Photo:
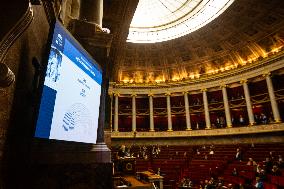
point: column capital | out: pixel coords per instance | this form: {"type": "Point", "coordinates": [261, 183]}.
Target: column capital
{"type": "Point", "coordinates": [185, 92]}
{"type": "Point", "coordinates": [266, 74]}
{"type": "Point", "coordinates": [151, 94]}
{"type": "Point", "coordinates": [168, 94]}
{"type": "Point", "coordinates": [116, 94]}
{"type": "Point", "coordinates": [204, 90]}
{"type": "Point", "coordinates": [133, 95]}
{"type": "Point", "coordinates": [243, 81]}
{"type": "Point", "coordinates": [223, 86]}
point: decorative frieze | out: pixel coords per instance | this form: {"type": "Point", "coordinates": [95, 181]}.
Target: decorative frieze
{"type": "Point", "coordinates": [232, 76]}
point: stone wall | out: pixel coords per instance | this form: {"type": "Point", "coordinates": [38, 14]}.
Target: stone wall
{"type": "Point", "coordinates": [28, 41]}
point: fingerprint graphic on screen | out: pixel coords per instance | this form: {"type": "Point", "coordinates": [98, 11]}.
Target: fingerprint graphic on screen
{"type": "Point", "coordinates": [77, 117]}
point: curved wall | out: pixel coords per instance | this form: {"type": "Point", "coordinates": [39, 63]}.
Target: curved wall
{"type": "Point", "coordinates": [256, 71]}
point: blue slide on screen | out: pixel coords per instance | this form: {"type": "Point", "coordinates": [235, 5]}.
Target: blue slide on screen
{"type": "Point", "coordinates": [69, 107]}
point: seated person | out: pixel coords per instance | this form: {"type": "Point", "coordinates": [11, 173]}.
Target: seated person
{"type": "Point", "coordinates": [267, 165]}
{"type": "Point", "coordinates": [186, 182]}
{"type": "Point", "coordinates": [251, 162]}
{"type": "Point", "coordinates": [275, 171]}
{"type": "Point", "coordinates": [258, 183]}
{"type": "Point", "coordinates": [262, 175]}
{"type": "Point", "coordinates": [235, 172]}
{"type": "Point", "coordinates": [122, 151]}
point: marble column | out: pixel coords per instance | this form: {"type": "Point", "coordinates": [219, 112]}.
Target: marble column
{"type": "Point", "coordinates": [273, 101]}
{"type": "Point", "coordinates": [248, 102]}
{"type": "Point", "coordinates": [115, 112]}
{"type": "Point", "coordinates": [206, 109]}
{"type": "Point", "coordinates": [187, 115]}
{"type": "Point", "coordinates": [170, 128]}
{"type": "Point", "coordinates": [151, 109]}
{"type": "Point", "coordinates": [92, 11]}
{"type": "Point", "coordinates": [133, 112]}
{"type": "Point", "coordinates": [226, 106]}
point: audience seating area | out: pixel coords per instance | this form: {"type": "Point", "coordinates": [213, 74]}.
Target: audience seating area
{"type": "Point", "coordinates": [195, 162]}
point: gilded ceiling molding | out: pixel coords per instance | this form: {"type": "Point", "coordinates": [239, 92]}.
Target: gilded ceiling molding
{"type": "Point", "coordinates": [233, 76]}
{"type": "Point", "coordinates": [17, 30]}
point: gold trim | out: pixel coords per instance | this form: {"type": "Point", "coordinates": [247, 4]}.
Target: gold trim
{"type": "Point", "coordinates": [116, 94]}
{"type": "Point", "coordinates": [278, 121]}
{"type": "Point", "coordinates": [243, 81]}
{"type": "Point", "coordinates": [203, 132]}
{"type": "Point", "coordinates": [257, 67]}
{"type": "Point", "coordinates": [266, 74]}
{"type": "Point", "coordinates": [251, 124]}
{"type": "Point", "coordinates": [223, 86]}
{"type": "Point", "coordinates": [129, 166]}
{"type": "Point", "coordinates": [167, 94]}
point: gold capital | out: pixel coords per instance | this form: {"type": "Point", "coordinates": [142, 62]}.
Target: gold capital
{"type": "Point", "coordinates": [116, 94]}
{"type": "Point", "coordinates": [243, 81]}
{"type": "Point", "coordinates": [266, 74]}
{"type": "Point", "coordinates": [223, 86]}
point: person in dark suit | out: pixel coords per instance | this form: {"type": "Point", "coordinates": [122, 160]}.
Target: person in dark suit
{"type": "Point", "coordinates": [239, 155]}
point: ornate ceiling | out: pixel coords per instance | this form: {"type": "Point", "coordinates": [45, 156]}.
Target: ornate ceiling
{"type": "Point", "coordinates": [246, 32]}
{"type": "Point", "coordinates": [157, 21]}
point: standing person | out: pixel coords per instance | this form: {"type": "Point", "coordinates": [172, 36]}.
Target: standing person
{"type": "Point", "coordinates": [239, 155]}
{"type": "Point", "coordinates": [242, 120]}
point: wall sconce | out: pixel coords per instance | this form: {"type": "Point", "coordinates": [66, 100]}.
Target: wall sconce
{"type": "Point", "coordinates": [7, 77]}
